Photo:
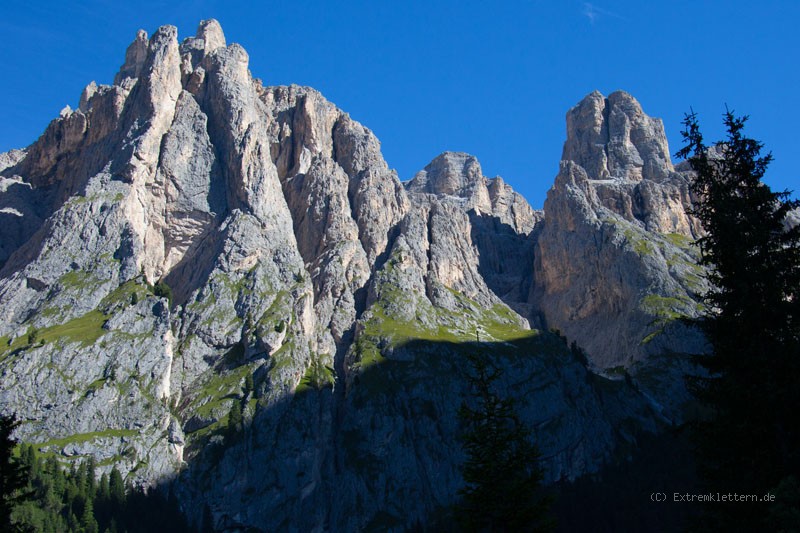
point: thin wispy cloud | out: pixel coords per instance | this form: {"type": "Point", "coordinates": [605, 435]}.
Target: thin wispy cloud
{"type": "Point", "coordinates": [594, 13]}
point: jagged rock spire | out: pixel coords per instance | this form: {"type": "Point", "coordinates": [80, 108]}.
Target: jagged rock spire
{"type": "Point", "coordinates": [613, 138]}
{"type": "Point", "coordinates": [211, 33]}
{"type": "Point", "coordinates": [134, 58]}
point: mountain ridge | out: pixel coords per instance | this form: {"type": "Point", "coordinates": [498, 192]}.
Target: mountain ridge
{"type": "Point", "coordinates": [188, 227]}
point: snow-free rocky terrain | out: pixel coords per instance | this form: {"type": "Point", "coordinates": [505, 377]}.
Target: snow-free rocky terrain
{"type": "Point", "coordinates": [188, 238]}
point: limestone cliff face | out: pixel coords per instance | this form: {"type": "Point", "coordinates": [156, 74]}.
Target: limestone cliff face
{"type": "Point", "coordinates": [615, 263]}
{"type": "Point", "coordinates": [481, 232]}
{"type": "Point", "coordinates": [165, 177]}
{"type": "Point", "coordinates": [188, 241]}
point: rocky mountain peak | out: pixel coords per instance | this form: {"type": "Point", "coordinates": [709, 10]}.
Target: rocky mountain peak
{"type": "Point", "coordinates": [134, 58]}
{"type": "Point", "coordinates": [457, 177]}
{"type": "Point", "coordinates": [617, 181]}
{"type": "Point", "coordinates": [612, 138]}
{"type": "Point", "coordinates": [450, 173]}
{"type": "Point", "coordinates": [189, 241]}
{"type": "Point", "coordinates": [193, 50]}
{"type": "Point", "coordinates": [211, 33]}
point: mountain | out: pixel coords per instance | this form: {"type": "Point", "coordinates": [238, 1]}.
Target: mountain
{"type": "Point", "coordinates": [189, 243]}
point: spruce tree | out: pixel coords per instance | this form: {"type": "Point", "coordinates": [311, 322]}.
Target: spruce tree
{"type": "Point", "coordinates": [235, 419]}
{"type": "Point", "coordinates": [88, 521]}
{"type": "Point", "coordinates": [502, 474]}
{"type": "Point", "coordinates": [116, 488]}
{"type": "Point", "coordinates": [750, 440]}
{"type": "Point", "coordinates": [12, 472]}
{"type": "Point", "coordinates": [89, 467]}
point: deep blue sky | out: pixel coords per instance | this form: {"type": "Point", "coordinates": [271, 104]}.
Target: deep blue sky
{"type": "Point", "coordinates": [492, 79]}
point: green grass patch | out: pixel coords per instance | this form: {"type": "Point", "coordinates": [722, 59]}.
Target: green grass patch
{"type": "Point", "coordinates": [277, 313]}
{"type": "Point", "coordinates": [383, 324]}
{"type": "Point", "coordinates": [496, 324]}
{"type": "Point", "coordinates": [315, 379]}
{"type": "Point", "coordinates": [77, 280]}
{"type": "Point", "coordinates": [85, 329]}
{"type": "Point", "coordinates": [213, 397]}
{"type": "Point", "coordinates": [665, 307]}
{"type": "Point", "coordinates": [695, 282]}
{"type": "Point", "coordinates": [124, 295]}
{"type": "Point", "coordinates": [7, 346]}
{"type": "Point", "coordinates": [284, 366]}
{"type": "Point", "coordinates": [652, 336]}
{"type": "Point", "coordinates": [367, 352]}
{"type": "Point", "coordinates": [643, 247]}
{"type": "Point", "coordinates": [87, 437]}
{"type": "Point", "coordinates": [52, 311]}
{"type": "Point", "coordinates": [282, 358]}
{"type": "Point", "coordinates": [317, 376]}
{"type": "Point", "coordinates": [387, 324]}
{"type": "Point", "coordinates": [637, 238]}
{"type": "Point", "coordinates": [77, 200]}
{"type": "Point", "coordinates": [679, 240]}
{"type": "Point", "coordinates": [217, 427]}
{"type": "Point", "coordinates": [95, 385]}
{"type": "Point", "coordinates": [505, 330]}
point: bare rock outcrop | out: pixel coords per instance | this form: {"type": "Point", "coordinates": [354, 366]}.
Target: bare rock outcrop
{"type": "Point", "coordinates": [615, 262]}
{"type": "Point", "coordinates": [188, 241]}
{"type": "Point", "coordinates": [480, 232]}
{"type": "Point", "coordinates": [149, 182]}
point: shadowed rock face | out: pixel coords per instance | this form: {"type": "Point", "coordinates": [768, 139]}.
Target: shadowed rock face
{"type": "Point", "coordinates": [334, 303]}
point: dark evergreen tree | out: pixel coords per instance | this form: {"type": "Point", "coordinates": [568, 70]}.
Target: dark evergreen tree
{"type": "Point", "coordinates": [503, 479]}
{"type": "Point", "coordinates": [88, 468]}
{"type": "Point", "coordinates": [116, 487]}
{"type": "Point", "coordinates": [65, 500]}
{"type": "Point", "coordinates": [750, 441]}
{"type": "Point", "coordinates": [162, 290]}
{"type": "Point", "coordinates": [88, 521]}
{"type": "Point", "coordinates": [28, 456]}
{"type": "Point", "coordinates": [102, 506]}
{"type": "Point", "coordinates": [12, 472]}
{"type": "Point", "coordinates": [235, 419]}
{"type": "Point", "coordinates": [103, 490]}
